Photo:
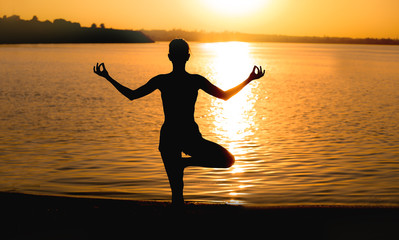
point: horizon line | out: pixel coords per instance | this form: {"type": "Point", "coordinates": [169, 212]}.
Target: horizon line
{"type": "Point", "coordinates": [217, 32]}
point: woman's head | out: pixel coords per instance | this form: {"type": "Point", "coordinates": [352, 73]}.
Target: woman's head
{"type": "Point", "coordinates": [179, 51]}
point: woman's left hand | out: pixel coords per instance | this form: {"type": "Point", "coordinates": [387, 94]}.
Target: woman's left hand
{"type": "Point", "coordinates": [103, 73]}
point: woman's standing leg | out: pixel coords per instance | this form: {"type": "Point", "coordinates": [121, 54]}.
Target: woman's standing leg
{"type": "Point", "coordinates": [174, 169]}
{"type": "Point", "coordinates": [203, 154]}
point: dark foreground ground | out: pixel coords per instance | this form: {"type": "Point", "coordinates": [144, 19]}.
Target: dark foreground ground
{"type": "Point", "coordinates": [44, 217]}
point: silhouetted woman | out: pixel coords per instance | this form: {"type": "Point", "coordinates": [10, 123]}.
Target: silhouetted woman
{"type": "Point", "coordinates": [180, 133]}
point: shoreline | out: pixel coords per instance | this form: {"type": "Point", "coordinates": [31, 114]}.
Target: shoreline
{"type": "Point", "coordinates": [53, 217]}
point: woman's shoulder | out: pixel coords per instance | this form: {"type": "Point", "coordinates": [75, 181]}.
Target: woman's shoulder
{"type": "Point", "coordinates": [199, 79]}
{"type": "Point", "coordinates": [160, 77]}
{"type": "Point", "coordinates": [197, 76]}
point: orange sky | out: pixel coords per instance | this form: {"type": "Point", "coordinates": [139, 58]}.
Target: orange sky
{"type": "Point", "coordinates": [340, 18]}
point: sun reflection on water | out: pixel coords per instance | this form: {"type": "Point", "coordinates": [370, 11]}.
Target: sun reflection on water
{"type": "Point", "coordinates": [233, 120]}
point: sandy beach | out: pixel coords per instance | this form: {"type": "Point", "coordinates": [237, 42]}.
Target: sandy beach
{"type": "Point", "coordinates": [50, 217]}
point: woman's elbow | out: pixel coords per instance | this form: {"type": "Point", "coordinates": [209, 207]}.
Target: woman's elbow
{"type": "Point", "coordinates": [131, 97]}
{"type": "Point", "coordinates": [221, 95]}
{"type": "Point", "coordinates": [225, 97]}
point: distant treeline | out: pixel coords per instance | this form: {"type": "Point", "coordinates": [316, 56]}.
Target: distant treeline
{"type": "Point", "coordinates": [162, 35]}
{"type": "Point", "coordinates": [15, 30]}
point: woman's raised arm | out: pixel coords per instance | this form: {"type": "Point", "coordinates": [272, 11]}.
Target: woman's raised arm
{"type": "Point", "coordinates": [142, 91]}
{"type": "Point", "coordinates": [211, 89]}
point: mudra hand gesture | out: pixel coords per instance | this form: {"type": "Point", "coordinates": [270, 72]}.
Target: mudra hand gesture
{"type": "Point", "coordinates": [103, 73]}
{"type": "Point", "coordinates": [256, 73]}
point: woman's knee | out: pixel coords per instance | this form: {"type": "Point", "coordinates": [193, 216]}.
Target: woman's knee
{"type": "Point", "coordinates": [229, 160]}
{"type": "Point", "coordinates": [226, 159]}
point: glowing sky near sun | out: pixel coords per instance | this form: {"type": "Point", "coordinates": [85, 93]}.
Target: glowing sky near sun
{"type": "Point", "coordinates": [341, 18]}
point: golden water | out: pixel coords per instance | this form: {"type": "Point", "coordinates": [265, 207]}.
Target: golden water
{"type": "Point", "coordinates": [320, 128]}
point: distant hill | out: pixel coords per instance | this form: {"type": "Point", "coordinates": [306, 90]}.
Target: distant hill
{"type": "Point", "coordinates": [162, 35]}
{"type": "Point", "coordinates": [15, 30]}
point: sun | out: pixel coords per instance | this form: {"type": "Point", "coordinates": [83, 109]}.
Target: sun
{"type": "Point", "coordinates": [235, 7]}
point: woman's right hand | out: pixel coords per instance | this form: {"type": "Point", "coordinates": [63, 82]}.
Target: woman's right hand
{"type": "Point", "coordinates": [256, 73]}
{"type": "Point", "coordinates": [103, 73]}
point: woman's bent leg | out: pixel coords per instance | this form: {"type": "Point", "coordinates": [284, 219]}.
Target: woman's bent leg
{"type": "Point", "coordinates": [209, 154]}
